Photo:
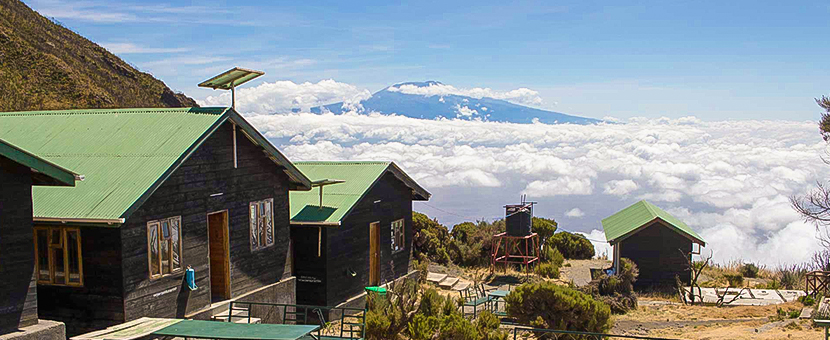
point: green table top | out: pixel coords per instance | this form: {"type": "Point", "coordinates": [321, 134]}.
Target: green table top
{"type": "Point", "coordinates": [229, 330]}
{"type": "Point", "coordinates": [498, 293]}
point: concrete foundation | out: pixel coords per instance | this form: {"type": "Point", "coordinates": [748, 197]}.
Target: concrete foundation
{"type": "Point", "coordinates": [748, 297]}
{"type": "Point", "coordinates": [43, 330]}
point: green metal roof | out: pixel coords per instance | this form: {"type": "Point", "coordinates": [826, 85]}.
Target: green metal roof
{"type": "Point", "coordinates": [629, 220]}
{"type": "Point", "coordinates": [124, 154]}
{"type": "Point", "coordinates": [44, 172]}
{"type": "Point", "coordinates": [339, 199]}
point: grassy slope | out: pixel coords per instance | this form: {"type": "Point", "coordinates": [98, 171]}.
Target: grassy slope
{"type": "Point", "coordinates": [46, 66]}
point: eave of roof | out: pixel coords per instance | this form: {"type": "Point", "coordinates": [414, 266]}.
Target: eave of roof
{"type": "Point", "coordinates": [60, 176]}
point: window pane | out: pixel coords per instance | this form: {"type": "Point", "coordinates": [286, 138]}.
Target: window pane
{"type": "Point", "coordinates": [165, 257]}
{"type": "Point", "coordinates": [42, 255]}
{"type": "Point", "coordinates": [56, 236]}
{"type": "Point", "coordinates": [175, 233]}
{"type": "Point", "coordinates": [269, 226]}
{"type": "Point", "coordinates": [74, 255]}
{"type": "Point", "coordinates": [254, 223]}
{"type": "Point", "coordinates": [165, 230]}
{"type": "Point", "coordinates": [57, 257]}
{"type": "Point", "coordinates": [153, 239]}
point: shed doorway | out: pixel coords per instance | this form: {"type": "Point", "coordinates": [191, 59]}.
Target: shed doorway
{"type": "Point", "coordinates": [374, 253]}
{"type": "Point", "coordinates": [220, 276]}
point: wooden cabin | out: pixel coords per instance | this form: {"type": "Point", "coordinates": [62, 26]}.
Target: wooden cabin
{"type": "Point", "coordinates": [165, 190]}
{"type": "Point", "coordinates": [353, 230]}
{"type": "Point", "coordinates": [19, 171]}
{"type": "Point", "coordinates": [660, 244]}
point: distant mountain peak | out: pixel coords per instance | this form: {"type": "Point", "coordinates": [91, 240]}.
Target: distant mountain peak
{"type": "Point", "coordinates": [433, 99]}
{"type": "Point", "coordinates": [418, 83]}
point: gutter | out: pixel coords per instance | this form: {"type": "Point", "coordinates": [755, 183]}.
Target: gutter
{"type": "Point", "coordinates": [79, 220]}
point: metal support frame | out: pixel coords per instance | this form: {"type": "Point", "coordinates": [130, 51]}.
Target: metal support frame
{"type": "Point", "coordinates": [513, 252]}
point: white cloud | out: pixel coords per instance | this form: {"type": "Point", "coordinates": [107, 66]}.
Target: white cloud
{"type": "Point", "coordinates": [524, 96]}
{"type": "Point", "coordinates": [727, 180]}
{"type": "Point", "coordinates": [464, 111]}
{"type": "Point", "coordinates": [574, 213]}
{"type": "Point", "coordinates": [284, 96]}
{"type": "Point", "coordinates": [601, 247]}
{"type": "Point", "coordinates": [620, 188]}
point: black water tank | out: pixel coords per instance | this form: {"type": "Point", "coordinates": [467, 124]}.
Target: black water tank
{"type": "Point", "coordinates": [518, 219]}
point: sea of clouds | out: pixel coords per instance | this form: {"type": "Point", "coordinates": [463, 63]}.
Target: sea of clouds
{"type": "Point", "coordinates": [729, 180]}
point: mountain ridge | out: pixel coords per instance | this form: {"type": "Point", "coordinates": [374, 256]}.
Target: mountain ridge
{"type": "Point", "coordinates": [45, 66]}
{"type": "Point", "coordinates": [431, 106]}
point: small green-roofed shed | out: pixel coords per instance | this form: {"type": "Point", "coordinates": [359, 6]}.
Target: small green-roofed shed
{"type": "Point", "coordinates": [343, 184]}
{"type": "Point", "coordinates": [124, 154]}
{"type": "Point", "coordinates": [631, 219]}
{"type": "Point", "coordinates": [658, 243]}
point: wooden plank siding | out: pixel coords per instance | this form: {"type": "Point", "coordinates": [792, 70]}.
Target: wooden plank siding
{"type": "Point", "coordinates": [187, 193]}
{"type": "Point", "coordinates": [99, 303]}
{"type": "Point", "coordinates": [18, 290]}
{"type": "Point", "coordinates": [348, 245]}
{"type": "Point", "coordinates": [656, 249]}
{"type": "Point", "coordinates": [309, 268]}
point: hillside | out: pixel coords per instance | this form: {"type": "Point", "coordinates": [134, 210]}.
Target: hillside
{"type": "Point", "coordinates": [46, 66]}
{"type": "Point", "coordinates": [393, 100]}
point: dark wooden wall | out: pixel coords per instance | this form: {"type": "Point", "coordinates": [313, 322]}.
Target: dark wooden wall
{"type": "Point", "coordinates": [348, 246]}
{"type": "Point", "coordinates": [187, 193]}
{"type": "Point", "coordinates": [99, 303]}
{"type": "Point", "coordinates": [655, 251]}
{"type": "Point", "coordinates": [309, 268]}
{"type": "Point", "coordinates": [18, 291]}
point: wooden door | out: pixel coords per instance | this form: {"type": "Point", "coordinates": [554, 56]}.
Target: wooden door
{"type": "Point", "coordinates": [374, 253]}
{"type": "Point", "coordinates": [220, 277]}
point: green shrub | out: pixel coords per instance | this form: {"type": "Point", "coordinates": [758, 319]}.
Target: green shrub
{"type": "Point", "coordinates": [553, 255]}
{"type": "Point", "coordinates": [487, 325]}
{"type": "Point", "coordinates": [735, 280]}
{"type": "Point", "coordinates": [573, 246]}
{"type": "Point", "coordinates": [472, 243]}
{"type": "Point", "coordinates": [749, 270]}
{"type": "Point", "coordinates": [544, 227]}
{"type": "Point", "coordinates": [455, 327]}
{"type": "Point", "coordinates": [390, 314]}
{"type": "Point", "coordinates": [422, 327]}
{"type": "Point", "coordinates": [807, 300]}
{"type": "Point", "coordinates": [461, 231]}
{"type": "Point", "coordinates": [792, 277]}
{"type": "Point", "coordinates": [430, 239]}
{"type": "Point", "coordinates": [617, 291]}
{"type": "Point", "coordinates": [548, 305]}
{"type": "Point", "coordinates": [548, 270]}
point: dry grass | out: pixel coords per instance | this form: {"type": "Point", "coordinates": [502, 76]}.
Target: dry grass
{"type": "Point", "coordinates": [691, 313]}
{"type": "Point", "coordinates": [742, 331]}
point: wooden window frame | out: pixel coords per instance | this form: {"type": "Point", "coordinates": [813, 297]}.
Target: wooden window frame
{"type": "Point", "coordinates": [50, 254]}
{"type": "Point", "coordinates": [172, 271]}
{"type": "Point", "coordinates": [254, 224]}
{"type": "Point", "coordinates": [398, 235]}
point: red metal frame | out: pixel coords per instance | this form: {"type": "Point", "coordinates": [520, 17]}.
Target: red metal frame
{"type": "Point", "coordinates": [526, 258]}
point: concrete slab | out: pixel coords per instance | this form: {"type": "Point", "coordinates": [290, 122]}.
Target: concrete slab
{"type": "Point", "coordinates": [43, 330]}
{"type": "Point", "coordinates": [806, 313]}
{"type": "Point", "coordinates": [767, 294]}
{"type": "Point", "coordinates": [462, 285]}
{"type": "Point", "coordinates": [448, 282]}
{"type": "Point", "coordinates": [791, 295]}
{"type": "Point", "coordinates": [435, 277]}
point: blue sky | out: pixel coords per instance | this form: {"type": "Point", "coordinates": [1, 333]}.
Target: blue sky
{"type": "Point", "coordinates": [714, 60]}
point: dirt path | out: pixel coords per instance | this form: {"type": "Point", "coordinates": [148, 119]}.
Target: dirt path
{"type": "Point", "coordinates": [643, 327]}
{"type": "Point", "coordinates": [579, 271]}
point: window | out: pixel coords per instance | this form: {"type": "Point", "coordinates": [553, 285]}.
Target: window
{"type": "Point", "coordinates": [262, 224]}
{"type": "Point", "coordinates": [164, 246]}
{"type": "Point", "coordinates": [58, 256]}
{"type": "Point", "coordinates": [398, 242]}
